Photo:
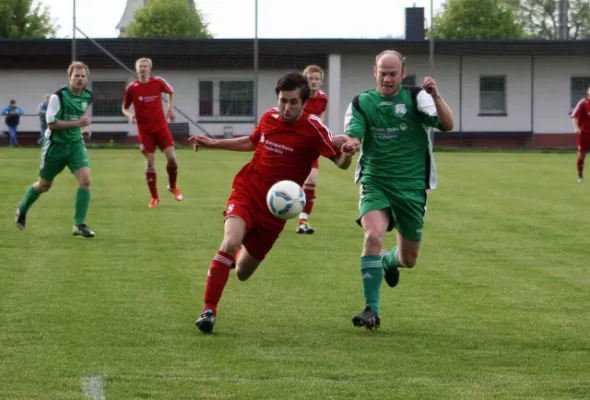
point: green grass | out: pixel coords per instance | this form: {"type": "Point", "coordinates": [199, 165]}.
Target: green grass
{"type": "Point", "coordinates": [496, 308]}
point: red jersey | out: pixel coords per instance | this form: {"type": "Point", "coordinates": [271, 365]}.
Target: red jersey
{"type": "Point", "coordinates": [317, 105]}
{"type": "Point", "coordinates": [147, 102]}
{"type": "Point", "coordinates": [284, 151]}
{"type": "Point", "coordinates": [582, 114]}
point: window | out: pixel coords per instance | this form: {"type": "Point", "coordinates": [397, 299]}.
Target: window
{"type": "Point", "coordinates": [107, 98]}
{"type": "Point", "coordinates": [492, 95]}
{"type": "Point", "coordinates": [236, 98]}
{"type": "Point", "coordinates": [579, 88]}
{"type": "Point", "coordinates": [226, 98]}
{"type": "Point", "coordinates": [410, 80]}
{"type": "Point", "coordinates": [206, 98]}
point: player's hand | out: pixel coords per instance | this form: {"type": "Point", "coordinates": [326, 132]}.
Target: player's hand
{"type": "Point", "coordinates": [84, 121]}
{"type": "Point", "coordinates": [578, 131]}
{"type": "Point", "coordinates": [170, 115]}
{"type": "Point", "coordinates": [204, 141]}
{"type": "Point", "coordinates": [429, 85]}
{"type": "Point", "coordinates": [339, 140]}
{"type": "Point", "coordinates": [133, 120]}
{"type": "Point", "coordinates": [350, 147]}
{"type": "Point", "coordinates": [86, 135]}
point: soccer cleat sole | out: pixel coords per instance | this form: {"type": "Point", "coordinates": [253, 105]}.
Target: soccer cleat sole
{"type": "Point", "coordinates": [391, 276]}
{"type": "Point", "coordinates": [80, 235]}
{"type": "Point", "coordinates": [359, 323]}
{"type": "Point", "coordinates": [205, 325]}
{"type": "Point", "coordinates": [20, 225]}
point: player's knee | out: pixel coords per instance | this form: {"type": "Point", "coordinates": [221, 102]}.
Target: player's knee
{"type": "Point", "coordinates": [373, 240]}
{"type": "Point", "coordinates": [408, 260]}
{"type": "Point", "coordinates": [230, 244]}
{"type": "Point", "coordinates": [309, 184]}
{"type": "Point", "coordinates": [84, 183]}
{"type": "Point", "coordinates": [43, 186]}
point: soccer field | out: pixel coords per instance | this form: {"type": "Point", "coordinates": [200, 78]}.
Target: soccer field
{"type": "Point", "coordinates": [497, 307]}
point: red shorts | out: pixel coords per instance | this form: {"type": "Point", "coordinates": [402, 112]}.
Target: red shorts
{"type": "Point", "coordinates": [148, 141]}
{"type": "Point", "coordinates": [316, 164]}
{"type": "Point", "coordinates": [262, 228]}
{"type": "Point", "coordinates": [584, 143]}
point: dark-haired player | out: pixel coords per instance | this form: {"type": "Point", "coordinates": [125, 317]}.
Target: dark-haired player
{"type": "Point", "coordinates": [286, 142]}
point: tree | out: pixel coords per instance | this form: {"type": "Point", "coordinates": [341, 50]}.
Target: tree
{"type": "Point", "coordinates": [477, 19]}
{"type": "Point", "coordinates": [540, 18]}
{"type": "Point", "coordinates": [25, 19]}
{"type": "Point", "coordinates": [168, 19]}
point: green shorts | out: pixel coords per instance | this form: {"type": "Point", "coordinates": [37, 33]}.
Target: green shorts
{"type": "Point", "coordinates": [56, 156]}
{"type": "Point", "coordinates": [406, 208]}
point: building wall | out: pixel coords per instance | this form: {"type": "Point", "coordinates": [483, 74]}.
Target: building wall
{"type": "Point", "coordinates": [538, 93]}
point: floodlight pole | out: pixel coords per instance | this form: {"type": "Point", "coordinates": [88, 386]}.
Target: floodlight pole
{"type": "Point", "coordinates": [256, 72]}
{"type": "Point", "coordinates": [73, 30]}
{"type": "Point", "coordinates": [431, 51]}
{"type": "Point", "coordinates": [431, 55]}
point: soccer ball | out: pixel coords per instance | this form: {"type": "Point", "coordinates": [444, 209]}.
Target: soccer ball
{"type": "Point", "coordinates": [285, 199]}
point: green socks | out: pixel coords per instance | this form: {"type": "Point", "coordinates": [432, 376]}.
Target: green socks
{"type": "Point", "coordinates": [82, 202]}
{"type": "Point", "coordinates": [390, 259]}
{"type": "Point", "coordinates": [31, 196]}
{"type": "Point", "coordinates": [372, 274]}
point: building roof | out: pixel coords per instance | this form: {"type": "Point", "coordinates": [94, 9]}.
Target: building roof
{"type": "Point", "coordinates": [273, 53]}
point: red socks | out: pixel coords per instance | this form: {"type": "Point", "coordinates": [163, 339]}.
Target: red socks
{"type": "Point", "coordinates": [172, 173]}
{"type": "Point", "coordinates": [310, 198]}
{"type": "Point", "coordinates": [580, 165]}
{"type": "Point", "coordinates": [150, 177]}
{"type": "Point", "coordinates": [217, 279]}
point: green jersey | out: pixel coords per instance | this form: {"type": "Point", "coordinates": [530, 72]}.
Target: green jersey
{"type": "Point", "coordinates": [396, 151]}
{"type": "Point", "coordinates": [66, 106]}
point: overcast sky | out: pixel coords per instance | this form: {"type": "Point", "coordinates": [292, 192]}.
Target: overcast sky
{"type": "Point", "coordinates": [235, 18]}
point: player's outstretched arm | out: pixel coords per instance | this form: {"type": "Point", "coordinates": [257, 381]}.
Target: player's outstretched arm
{"type": "Point", "coordinates": [237, 144]}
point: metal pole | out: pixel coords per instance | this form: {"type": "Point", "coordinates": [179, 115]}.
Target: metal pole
{"type": "Point", "coordinates": [431, 51]}
{"type": "Point", "coordinates": [431, 56]}
{"type": "Point", "coordinates": [73, 30]}
{"type": "Point", "coordinates": [255, 91]}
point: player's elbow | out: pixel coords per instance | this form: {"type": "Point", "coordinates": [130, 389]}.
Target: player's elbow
{"type": "Point", "coordinates": [447, 125]}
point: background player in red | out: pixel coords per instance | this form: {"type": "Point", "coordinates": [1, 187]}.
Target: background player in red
{"type": "Point", "coordinates": [581, 122]}
{"type": "Point", "coordinates": [285, 143]}
{"type": "Point", "coordinates": [315, 105]}
{"type": "Point", "coordinates": [145, 94]}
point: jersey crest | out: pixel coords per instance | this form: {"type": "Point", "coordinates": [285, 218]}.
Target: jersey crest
{"type": "Point", "coordinates": [400, 110]}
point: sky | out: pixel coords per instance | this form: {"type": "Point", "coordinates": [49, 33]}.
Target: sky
{"type": "Point", "coordinates": [235, 18]}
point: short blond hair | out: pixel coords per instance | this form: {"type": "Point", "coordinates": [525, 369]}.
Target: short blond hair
{"type": "Point", "coordinates": [313, 68]}
{"type": "Point", "coordinates": [144, 59]}
{"type": "Point", "coordinates": [77, 65]}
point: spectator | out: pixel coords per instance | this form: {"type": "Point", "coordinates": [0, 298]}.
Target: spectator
{"type": "Point", "coordinates": [42, 111]}
{"type": "Point", "coordinates": [13, 113]}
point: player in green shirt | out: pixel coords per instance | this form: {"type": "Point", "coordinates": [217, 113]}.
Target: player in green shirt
{"type": "Point", "coordinates": [64, 146]}
{"type": "Point", "coordinates": [395, 169]}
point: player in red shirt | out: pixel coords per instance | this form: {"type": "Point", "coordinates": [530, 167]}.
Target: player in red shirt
{"type": "Point", "coordinates": [286, 142]}
{"type": "Point", "coordinates": [152, 126]}
{"type": "Point", "coordinates": [315, 105]}
{"type": "Point", "coordinates": [581, 122]}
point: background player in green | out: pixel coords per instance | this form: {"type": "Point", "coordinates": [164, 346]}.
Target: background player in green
{"type": "Point", "coordinates": [64, 146]}
{"type": "Point", "coordinates": [395, 169]}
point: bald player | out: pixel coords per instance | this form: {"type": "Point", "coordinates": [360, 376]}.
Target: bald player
{"type": "Point", "coordinates": [395, 169]}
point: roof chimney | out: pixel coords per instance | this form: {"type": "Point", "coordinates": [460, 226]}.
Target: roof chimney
{"type": "Point", "coordinates": [415, 23]}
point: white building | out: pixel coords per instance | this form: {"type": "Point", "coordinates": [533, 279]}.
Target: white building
{"type": "Point", "coordinates": [509, 93]}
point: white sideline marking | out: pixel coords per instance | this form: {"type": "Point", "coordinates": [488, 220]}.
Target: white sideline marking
{"type": "Point", "coordinates": [93, 387]}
